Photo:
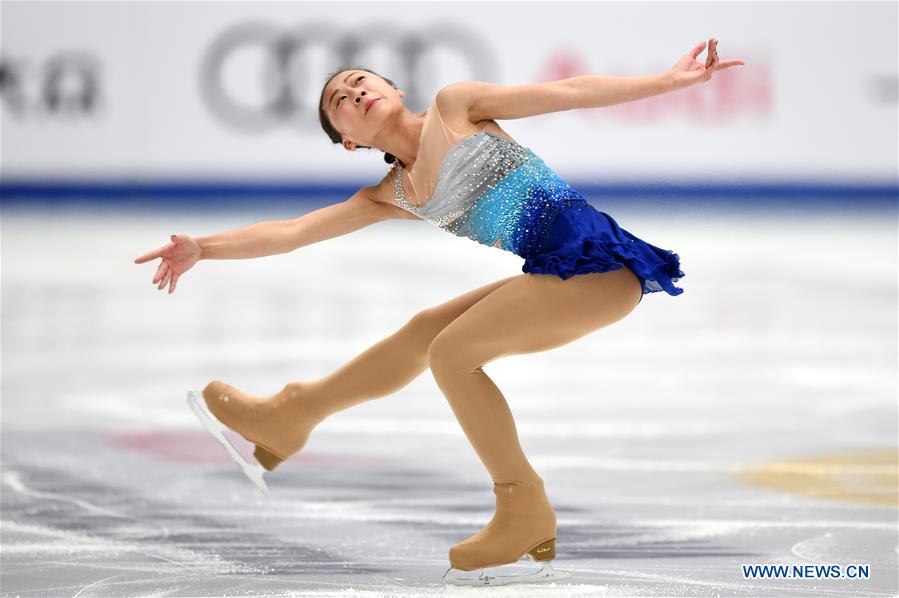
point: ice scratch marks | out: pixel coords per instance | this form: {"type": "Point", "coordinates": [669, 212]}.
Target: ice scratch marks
{"type": "Point", "coordinates": [98, 582]}
{"type": "Point", "coordinates": [13, 480]}
{"type": "Point", "coordinates": [814, 549]}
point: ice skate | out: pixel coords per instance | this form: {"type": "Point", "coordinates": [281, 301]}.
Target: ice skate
{"type": "Point", "coordinates": [524, 524]}
{"type": "Point", "coordinates": [253, 471]}
{"type": "Point", "coordinates": [278, 426]}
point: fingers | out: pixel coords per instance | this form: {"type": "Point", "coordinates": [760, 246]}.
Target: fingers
{"type": "Point", "coordinates": [728, 63]}
{"type": "Point", "coordinates": [165, 280]}
{"type": "Point", "coordinates": [697, 49]}
{"type": "Point", "coordinates": [164, 251]}
{"type": "Point", "coordinates": [164, 274]}
{"type": "Point", "coordinates": [152, 255]}
{"type": "Point", "coordinates": [159, 271]}
{"type": "Point", "coordinates": [161, 275]}
{"type": "Point", "coordinates": [712, 58]}
{"type": "Point", "coordinates": [167, 277]}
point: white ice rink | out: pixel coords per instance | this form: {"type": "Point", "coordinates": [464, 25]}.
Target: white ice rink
{"type": "Point", "coordinates": [750, 420]}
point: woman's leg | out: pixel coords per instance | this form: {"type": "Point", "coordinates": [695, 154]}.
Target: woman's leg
{"type": "Point", "coordinates": [392, 363]}
{"type": "Point", "coordinates": [532, 313]}
{"type": "Point", "coordinates": [282, 423]}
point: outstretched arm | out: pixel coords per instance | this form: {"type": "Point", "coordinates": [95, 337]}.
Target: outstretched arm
{"type": "Point", "coordinates": [487, 101]}
{"type": "Point", "coordinates": [282, 236]}
{"type": "Point", "coordinates": [268, 238]}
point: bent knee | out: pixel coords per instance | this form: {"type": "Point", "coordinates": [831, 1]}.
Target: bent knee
{"type": "Point", "coordinates": [445, 354]}
{"type": "Point", "coordinates": [439, 350]}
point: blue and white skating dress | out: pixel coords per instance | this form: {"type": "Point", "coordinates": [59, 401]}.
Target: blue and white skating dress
{"type": "Point", "coordinates": [494, 191]}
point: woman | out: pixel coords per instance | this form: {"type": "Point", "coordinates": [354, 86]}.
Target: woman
{"type": "Point", "coordinates": [457, 169]}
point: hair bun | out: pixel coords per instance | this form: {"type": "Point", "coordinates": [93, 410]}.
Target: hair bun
{"type": "Point", "coordinates": [389, 158]}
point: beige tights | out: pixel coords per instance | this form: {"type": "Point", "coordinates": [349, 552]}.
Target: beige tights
{"type": "Point", "coordinates": [526, 313]}
{"type": "Point", "coordinates": [390, 364]}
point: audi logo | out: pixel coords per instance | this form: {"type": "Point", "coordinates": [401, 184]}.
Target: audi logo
{"type": "Point", "coordinates": [256, 77]}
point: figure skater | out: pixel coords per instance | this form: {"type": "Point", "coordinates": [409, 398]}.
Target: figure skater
{"type": "Point", "coordinates": [453, 166]}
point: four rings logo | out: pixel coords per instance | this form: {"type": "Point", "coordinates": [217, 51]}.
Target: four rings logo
{"type": "Point", "coordinates": [256, 77]}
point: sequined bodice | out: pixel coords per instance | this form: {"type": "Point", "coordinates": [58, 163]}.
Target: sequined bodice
{"type": "Point", "coordinates": [494, 191]}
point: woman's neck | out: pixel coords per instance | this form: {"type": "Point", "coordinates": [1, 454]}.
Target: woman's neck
{"type": "Point", "coordinates": [404, 146]}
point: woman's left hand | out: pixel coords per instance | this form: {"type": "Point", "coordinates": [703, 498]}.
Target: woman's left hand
{"type": "Point", "coordinates": [688, 70]}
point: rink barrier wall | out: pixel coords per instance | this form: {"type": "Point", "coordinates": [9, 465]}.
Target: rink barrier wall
{"type": "Point", "coordinates": [213, 193]}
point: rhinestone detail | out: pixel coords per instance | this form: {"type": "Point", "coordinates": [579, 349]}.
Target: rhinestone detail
{"type": "Point", "coordinates": [495, 192]}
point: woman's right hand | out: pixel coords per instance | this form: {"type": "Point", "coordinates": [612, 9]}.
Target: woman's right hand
{"type": "Point", "coordinates": [688, 70]}
{"type": "Point", "coordinates": [177, 258]}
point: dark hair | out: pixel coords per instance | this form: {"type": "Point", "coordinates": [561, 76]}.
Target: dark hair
{"type": "Point", "coordinates": [333, 133]}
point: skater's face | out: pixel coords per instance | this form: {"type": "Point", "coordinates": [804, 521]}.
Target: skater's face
{"type": "Point", "coordinates": [358, 104]}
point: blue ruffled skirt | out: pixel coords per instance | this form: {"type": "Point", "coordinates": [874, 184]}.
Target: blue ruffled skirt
{"type": "Point", "coordinates": [584, 240]}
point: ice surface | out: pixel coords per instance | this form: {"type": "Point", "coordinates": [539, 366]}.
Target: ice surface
{"type": "Point", "coordinates": [676, 444]}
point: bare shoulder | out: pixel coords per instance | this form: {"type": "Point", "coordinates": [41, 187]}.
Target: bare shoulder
{"type": "Point", "coordinates": [383, 193]}
{"type": "Point", "coordinates": [455, 102]}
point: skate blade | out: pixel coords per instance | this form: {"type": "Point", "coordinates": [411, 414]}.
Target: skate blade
{"type": "Point", "coordinates": [253, 471]}
{"type": "Point", "coordinates": [489, 578]}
